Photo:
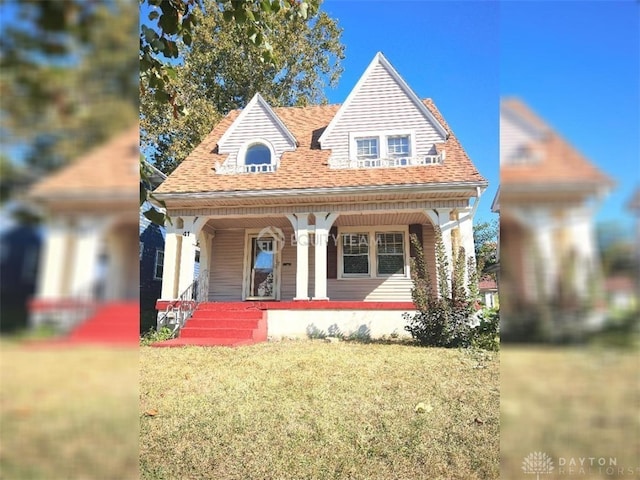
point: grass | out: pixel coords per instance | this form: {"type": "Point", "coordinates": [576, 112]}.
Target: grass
{"type": "Point", "coordinates": [570, 403]}
{"type": "Point", "coordinates": [68, 412]}
{"type": "Point", "coordinates": [310, 409]}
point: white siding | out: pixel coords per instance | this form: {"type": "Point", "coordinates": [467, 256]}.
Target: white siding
{"type": "Point", "coordinates": [381, 104]}
{"type": "Point", "coordinates": [227, 258]}
{"type": "Point", "coordinates": [514, 135]}
{"type": "Point", "coordinates": [258, 123]}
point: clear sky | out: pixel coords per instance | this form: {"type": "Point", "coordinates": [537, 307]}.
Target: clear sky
{"type": "Point", "coordinates": [447, 51]}
{"type": "Point", "coordinates": [575, 63]}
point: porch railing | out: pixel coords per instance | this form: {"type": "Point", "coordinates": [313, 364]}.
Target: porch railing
{"type": "Point", "coordinates": [179, 311]}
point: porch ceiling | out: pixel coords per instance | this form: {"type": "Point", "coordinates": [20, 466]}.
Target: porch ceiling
{"type": "Point", "coordinates": [248, 222]}
{"type": "Point", "coordinates": [389, 218]}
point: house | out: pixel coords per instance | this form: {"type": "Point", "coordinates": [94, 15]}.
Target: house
{"type": "Point", "coordinates": [311, 208]}
{"type": "Point", "coordinates": [546, 200]}
{"type": "Point", "coordinates": [90, 253]}
{"type": "Point", "coordinates": [488, 289]}
{"type": "Point", "coordinates": [20, 243]}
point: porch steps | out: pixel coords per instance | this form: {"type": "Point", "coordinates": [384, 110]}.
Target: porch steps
{"type": "Point", "coordinates": [222, 324]}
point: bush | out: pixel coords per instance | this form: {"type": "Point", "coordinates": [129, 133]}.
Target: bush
{"type": "Point", "coordinates": [486, 334]}
{"type": "Point", "coordinates": [443, 318]}
{"type": "Point", "coordinates": [153, 336]}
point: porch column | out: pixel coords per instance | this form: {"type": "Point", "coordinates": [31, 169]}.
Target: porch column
{"type": "Point", "coordinates": [300, 223]}
{"type": "Point", "coordinates": [441, 217]}
{"type": "Point", "coordinates": [86, 252]}
{"type": "Point", "coordinates": [52, 260]}
{"type": "Point", "coordinates": [466, 239]}
{"type": "Point", "coordinates": [187, 261]}
{"type": "Point", "coordinates": [170, 271]}
{"type": "Point", "coordinates": [324, 221]}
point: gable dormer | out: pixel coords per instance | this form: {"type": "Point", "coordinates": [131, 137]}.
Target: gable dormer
{"type": "Point", "coordinates": [383, 123]}
{"type": "Point", "coordinates": [520, 131]}
{"type": "Point", "coordinates": [255, 141]}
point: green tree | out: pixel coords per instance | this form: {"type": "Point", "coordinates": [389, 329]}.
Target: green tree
{"type": "Point", "coordinates": [485, 237]}
{"type": "Point", "coordinates": [69, 77]}
{"type": "Point", "coordinates": [224, 65]}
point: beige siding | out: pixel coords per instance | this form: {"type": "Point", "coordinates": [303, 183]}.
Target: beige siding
{"type": "Point", "coordinates": [381, 104]}
{"type": "Point", "coordinates": [227, 258]}
{"type": "Point", "coordinates": [428, 241]}
{"type": "Point", "coordinates": [258, 123]}
{"type": "Point", "coordinates": [370, 289]}
{"type": "Point", "coordinates": [288, 277]}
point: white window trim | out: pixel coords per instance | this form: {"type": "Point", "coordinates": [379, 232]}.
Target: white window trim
{"type": "Point", "coordinates": [373, 252]}
{"type": "Point", "coordinates": [242, 153]}
{"type": "Point", "coordinates": [155, 264]}
{"type": "Point", "coordinates": [381, 135]}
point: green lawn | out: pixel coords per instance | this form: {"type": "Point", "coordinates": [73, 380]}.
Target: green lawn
{"type": "Point", "coordinates": [311, 409]}
{"type": "Point", "coordinates": [570, 403]}
{"type": "Point", "coordinates": [68, 413]}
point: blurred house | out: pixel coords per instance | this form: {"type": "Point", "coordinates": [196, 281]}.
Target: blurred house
{"type": "Point", "coordinates": [90, 252]}
{"type": "Point", "coordinates": [546, 200]}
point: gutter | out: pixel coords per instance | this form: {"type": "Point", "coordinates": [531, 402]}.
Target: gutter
{"type": "Point", "coordinates": [357, 190]}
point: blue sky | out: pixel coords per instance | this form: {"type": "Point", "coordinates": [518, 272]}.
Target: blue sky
{"type": "Point", "coordinates": [574, 63]}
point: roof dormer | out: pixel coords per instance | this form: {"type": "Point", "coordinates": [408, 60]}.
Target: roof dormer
{"type": "Point", "coordinates": [255, 141]}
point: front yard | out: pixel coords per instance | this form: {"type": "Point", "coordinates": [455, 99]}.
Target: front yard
{"type": "Point", "coordinates": [310, 409]}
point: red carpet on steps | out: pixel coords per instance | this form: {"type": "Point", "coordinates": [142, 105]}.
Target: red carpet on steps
{"type": "Point", "coordinates": [223, 324]}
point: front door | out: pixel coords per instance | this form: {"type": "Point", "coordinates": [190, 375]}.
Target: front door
{"type": "Point", "coordinates": [263, 275]}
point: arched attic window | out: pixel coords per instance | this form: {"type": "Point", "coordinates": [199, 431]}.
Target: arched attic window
{"type": "Point", "coordinates": [257, 156]}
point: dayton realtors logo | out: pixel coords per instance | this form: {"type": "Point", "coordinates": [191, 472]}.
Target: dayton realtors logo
{"type": "Point", "coordinates": [537, 463]}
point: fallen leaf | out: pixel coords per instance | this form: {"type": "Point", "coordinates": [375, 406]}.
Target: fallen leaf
{"type": "Point", "coordinates": [152, 412]}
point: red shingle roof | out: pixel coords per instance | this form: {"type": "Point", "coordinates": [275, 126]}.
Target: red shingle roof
{"type": "Point", "coordinates": [307, 166]}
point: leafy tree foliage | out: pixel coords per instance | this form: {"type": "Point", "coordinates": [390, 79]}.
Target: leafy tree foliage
{"type": "Point", "coordinates": [228, 53]}
{"type": "Point", "coordinates": [485, 237]}
{"type": "Point", "coordinates": [69, 77]}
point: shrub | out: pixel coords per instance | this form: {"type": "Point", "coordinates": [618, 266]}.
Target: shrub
{"type": "Point", "coordinates": [153, 336]}
{"type": "Point", "coordinates": [486, 334]}
{"type": "Point", "coordinates": [443, 318]}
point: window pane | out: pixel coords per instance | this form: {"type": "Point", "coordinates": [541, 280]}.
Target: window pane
{"type": "Point", "coordinates": [367, 147]}
{"type": "Point", "coordinates": [398, 146]}
{"type": "Point", "coordinates": [390, 264]}
{"type": "Point", "coordinates": [257, 155]}
{"type": "Point", "coordinates": [356, 264]}
{"type": "Point", "coordinates": [390, 253]}
{"type": "Point", "coordinates": [159, 263]}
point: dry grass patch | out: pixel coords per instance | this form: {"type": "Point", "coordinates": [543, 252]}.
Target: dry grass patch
{"type": "Point", "coordinates": [68, 413]}
{"type": "Point", "coordinates": [317, 410]}
{"type": "Point", "coordinates": [570, 403]}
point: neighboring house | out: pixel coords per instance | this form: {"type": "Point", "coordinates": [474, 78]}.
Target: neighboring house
{"type": "Point", "coordinates": [312, 207]}
{"type": "Point", "coordinates": [20, 244]}
{"type": "Point", "coordinates": [90, 251]}
{"type": "Point", "coordinates": [488, 289]}
{"type": "Point", "coordinates": [546, 200]}
{"type": "Point", "coordinates": [151, 256]}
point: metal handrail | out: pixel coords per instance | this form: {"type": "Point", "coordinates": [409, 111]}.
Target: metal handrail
{"type": "Point", "coordinates": [183, 307]}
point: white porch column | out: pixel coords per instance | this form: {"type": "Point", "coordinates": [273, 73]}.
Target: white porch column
{"type": "Point", "coordinates": [441, 218]}
{"type": "Point", "coordinates": [52, 260]}
{"type": "Point", "coordinates": [324, 221]}
{"type": "Point", "coordinates": [300, 223]}
{"type": "Point", "coordinates": [466, 238]}
{"type": "Point", "coordinates": [170, 272]}
{"type": "Point", "coordinates": [88, 234]}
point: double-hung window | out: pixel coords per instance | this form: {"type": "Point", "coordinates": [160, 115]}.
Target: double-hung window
{"type": "Point", "coordinates": [368, 151]}
{"type": "Point", "coordinates": [373, 253]}
{"type": "Point", "coordinates": [355, 254]}
{"type": "Point", "coordinates": [390, 253]}
{"type": "Point", "coordinates": [159, 265]}
{"type": "Point", "coordinates": [381, 149]}
{"type": "Point", "coordinates": [398, 149]}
